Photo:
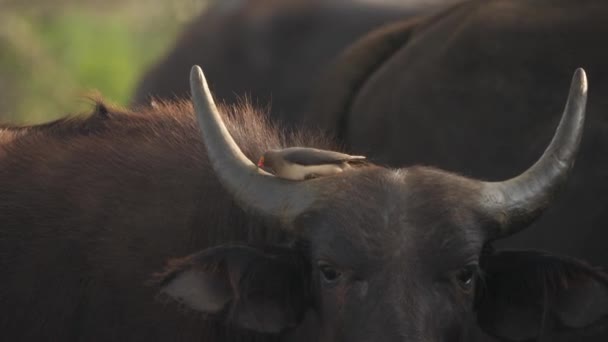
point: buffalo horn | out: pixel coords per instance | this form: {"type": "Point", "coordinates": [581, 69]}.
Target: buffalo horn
{"type": "Point", "coordinates": [516, 202]}
{"type": "Point", "coordinates": [250, 186]}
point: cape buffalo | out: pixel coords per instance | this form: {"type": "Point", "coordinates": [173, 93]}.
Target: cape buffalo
{"type": "Point", "coordinates": [91, 207]}
{"type": "Point", "coordinates": [270, 50]}
{"type": "Point", "coordinates": [473, 89]}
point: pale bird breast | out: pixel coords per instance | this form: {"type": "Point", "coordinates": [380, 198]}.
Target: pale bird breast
{"type": "Point", "coordinates": [300, 172]}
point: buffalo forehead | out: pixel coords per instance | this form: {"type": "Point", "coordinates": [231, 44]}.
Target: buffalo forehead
{"type": "Point", "coordinates": [395, 217]}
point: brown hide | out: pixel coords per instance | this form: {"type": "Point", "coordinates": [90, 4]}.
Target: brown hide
{"type": "Point", "coordinates": [272, 51]}
{"type": "Point", "coordinates": [92, 206]}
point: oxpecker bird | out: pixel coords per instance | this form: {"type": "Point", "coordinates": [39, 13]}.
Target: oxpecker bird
{"type": "Point", "coordinates": [299, 163]}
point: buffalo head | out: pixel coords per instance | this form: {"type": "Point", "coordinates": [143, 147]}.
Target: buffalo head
{"type": "Point", "coordinates": [384, 254]}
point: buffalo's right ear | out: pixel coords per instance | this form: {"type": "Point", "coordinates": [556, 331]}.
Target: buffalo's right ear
{"type": "Point", "coordinates": [529, 294]}
{"type": "Point", "coordinates": [262, 289]}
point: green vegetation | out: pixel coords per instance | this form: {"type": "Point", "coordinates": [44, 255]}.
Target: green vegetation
{"type": "Point", "coordinates": [51, 60]}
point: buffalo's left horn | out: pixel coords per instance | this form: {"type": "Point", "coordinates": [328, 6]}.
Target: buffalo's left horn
{"type": "Point", "coordinates": [250, 186]}
{"type": "Point", "coordinates": [515, 203]}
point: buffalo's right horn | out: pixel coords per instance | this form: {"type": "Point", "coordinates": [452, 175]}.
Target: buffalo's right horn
{"type": "Point", "coordinates": [251, 187]}
{"type": "Point", "coordinates": [515, 203]}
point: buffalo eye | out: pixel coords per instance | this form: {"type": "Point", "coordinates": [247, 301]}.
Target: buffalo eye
{"type": "Point", "coordinates": [329, 273]}
{"type": "Point", "coordinates": [465, 277]}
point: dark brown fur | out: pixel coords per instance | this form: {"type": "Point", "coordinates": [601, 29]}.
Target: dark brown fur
{"type": "Point", "coordinates": [91, 206]}
{"type": "Point", "coordinates": [272, 50]}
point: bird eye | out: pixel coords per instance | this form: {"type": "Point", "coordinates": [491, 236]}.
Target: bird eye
{"type": "Point", "coordinates": [329, 273]}
{"type": "Point", "coordinates": [466, 276]}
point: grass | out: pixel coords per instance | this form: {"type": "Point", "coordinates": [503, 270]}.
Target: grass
{"type": "Point", "coordinates": [50, 61]}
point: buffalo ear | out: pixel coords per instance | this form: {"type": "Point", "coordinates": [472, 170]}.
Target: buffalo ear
{"type": "Point", "coordinates": [531, 293]}
{"type": "Point", "coordinates": [262, 289]}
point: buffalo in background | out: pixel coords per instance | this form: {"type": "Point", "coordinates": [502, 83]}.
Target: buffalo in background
{"type": "Point", "coordinates": [270, 50]}
{"type": "Point", "coordinates": [473, 90]}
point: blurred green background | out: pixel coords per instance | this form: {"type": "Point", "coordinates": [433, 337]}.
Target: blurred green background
{"type": "Point", "coordinates": [55, 53]}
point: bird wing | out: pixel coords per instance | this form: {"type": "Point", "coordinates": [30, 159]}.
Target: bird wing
{"type": "Point", "coordinates": [312, 156]}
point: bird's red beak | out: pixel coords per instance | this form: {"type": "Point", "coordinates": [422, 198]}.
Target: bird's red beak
{"type": "Point", "coordinates": [261, 162]}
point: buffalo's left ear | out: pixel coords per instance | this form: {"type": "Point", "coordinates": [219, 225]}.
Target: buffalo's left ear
{"type": "Point", "coordinates": [265, 289]}
{"type": "Point", "coordinates": [531, 293]}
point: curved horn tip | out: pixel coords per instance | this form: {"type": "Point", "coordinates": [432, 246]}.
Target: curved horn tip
{"type": "Point", "coordinates": [197, 76]}
{"type": "Point", "coordinates": [579, 80]}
